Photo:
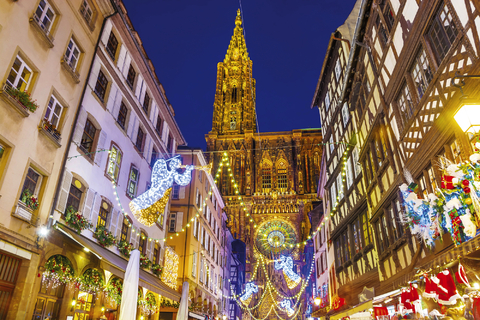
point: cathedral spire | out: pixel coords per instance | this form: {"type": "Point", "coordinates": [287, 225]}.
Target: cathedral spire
{"type": "Point", "coordinates": [234, 106]}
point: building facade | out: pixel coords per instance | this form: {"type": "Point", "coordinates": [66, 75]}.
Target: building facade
{"type": "Point", "coordinates": [395, 85]}
{"type": "Point", "coordinates": [199, 207]}
{"type": "Point", "coordinates": [268, 180]}
{"type": "Point", "coordinates": [46, 48]}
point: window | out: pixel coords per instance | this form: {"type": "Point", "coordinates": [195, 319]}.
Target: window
{"type": "Point", "coordinates": [197, 199]}
{"type": "Point", "coordinates": [122, 115]}
{"type": "Point", "coordinates": [172, 222]}
{"type": "Point", "coordinates": [54, 112]}
{"type": "Point", "coordinates": [405, 104]}
{"type": "Point", "coordinates": [175, 191]}
{"type": "Point", "coordinates": [338, 69]}
{"type": "Point", "coordinates": [112, 45]}
{"type": "Point", "coordinates": [131, 76]}
{"type": "Point", "coordinates": [394, 210]}
{"type": "Point", "coordinates": [125, 226]}
{"type": "Point", "coordinates": [327, 101]}
{"type": "Point", "coordinates": [266, 177]}
{"type": "Point", "coordinates": [20, 75]}
{"type": "Point", "coordinates": [146, 103]}
{"type": "Point", "coordinates": [88, 138]}
{"type": "Point", "coordinates": [333, 193]}
{"type": "Point", "coordinates": [156, 253]}
{"type": "Point", "coordinates": [456, 151]}
{"type": "Point", "coordinates": [155, 157]}
{"type": "Point", "coordinates": [346, 246]}
{"type": "Point", "coordinates": [170, 143]}
{"type": "Point", "coordinates": [140, 139]}
{"type": "Point", "coordinates": [380, 147]}
{"type": "Point", "coordinates": [356, 165]}
{"type": "Point", "coordinates": [194, 264]}
{"type": "Point", "coordinates": [114, 163]}
{"type": "Point", "coordinates": [158, 126]}
{"type": "Point", "coordinates": [332, 147]}
{"type": "Point", "coordinates": [422, 183]}
{"type": "Point", "coordinates": [86, 11]}
{"type": "Point", "coordinates": [72, 54]}
{"type": "Point", "coordinates": [132, 182]}
{"type": "Point", "coordinates": [421, 72]}
{"type": "Point", "coordinates": [282, 178]}
{"type": "Point", "coordinates": [195, 228]}
{"type": "Point", "coordinates": [382, 33]}
{"type": "Point", "coordinates": [44, 15]}
{"type": "Point", "coordinates": [340, 187]}
{"type": "Point", "coordinates": [442, 33]}
{"type": "Point", "coordinates": [32, 182]}
{"type": "Point", "coordinates": [349, 173]}
{"type": "Point", "coordinates": [388, 16]}
{"type": "Point", "coordinates": [101, 86]}
{"type": "Point", "coordinates": [432, 179]}
{"type": "Point", "coordinates": [382, 232]}
{"type": "Point", "coordinates": [345, 114]}
{"type": "Point", "coordinates": [75, 195]}
{"type": "Point", "coordinates": [103, 214]}
{"type": "Point", "coordinates": [201, 269]}
{"type": "Point", "coordinates": [142, 245]}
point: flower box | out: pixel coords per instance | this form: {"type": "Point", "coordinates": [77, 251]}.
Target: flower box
{"type": "Point", "coordinates": [104, 237]}
{"type": "Point", "coordinates": [51, 132]}
{"type": "Point", "coordinates": [11, 95]}
{"type": "Point", "coordinates": [71, 70]}
{"type": "Point", "coordinates": [76, 221]}
{"type": "Point", "coordinates": [145, 263]}
{"type": "Point", "coordinates": [156, 269]}
{"type": "Point", "coordinates": [125, 248]}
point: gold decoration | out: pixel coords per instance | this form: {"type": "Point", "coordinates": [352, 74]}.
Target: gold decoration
{"type": "Point", "coordinates": [149, 216]}
{"type": "Point", "coordinates": [290, 283]}
{"type": "Point", "coordinates": [207, 168]}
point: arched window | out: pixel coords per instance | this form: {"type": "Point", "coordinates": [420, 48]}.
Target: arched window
{"type": "Point", "coordinates": [233, 123]}
{"type": "Point", "coordinates": [282, 179]}
{"type": "Point", "coordinates": [266, 176]}
{"type": "Point", "coordinates": [85, 299]}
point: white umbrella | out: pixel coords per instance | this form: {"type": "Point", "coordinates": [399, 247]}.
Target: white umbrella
{"type": "Point", "coordinates": [128, 307]}
{"type": "Point", "coordinates": [182, 313]}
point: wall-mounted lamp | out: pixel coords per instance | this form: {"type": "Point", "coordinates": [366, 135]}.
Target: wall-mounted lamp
{"type": "Point", "coordinates": [42, 232]}
{"type": "Point", "coordinates": [468, 113]}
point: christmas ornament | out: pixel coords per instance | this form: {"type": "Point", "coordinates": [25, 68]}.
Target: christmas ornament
{"type": "Point", "coordinates": [446, 289]}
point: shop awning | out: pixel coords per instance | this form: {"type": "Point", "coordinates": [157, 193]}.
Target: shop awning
{"type": "Point", "coordinates": [196, 316]}
{"type": "Point", "coordinates": [117, 265]}
{"type": "Point", "coordinates": [358, 308]}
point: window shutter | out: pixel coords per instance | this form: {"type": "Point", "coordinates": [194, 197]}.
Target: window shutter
{"type": "Point", "coordinates": [179, 224]}
{"type": "Point", "coordinates": [112, 99]}
{"type": "Point", "coordinates": [148, 148]}
{"type": "Point", "coordinates": [201, 235]}
{"type": "Point", "coordinates": [149, 248]}
{"type": "Point", "coordinates": [131, 123]}
{"type": "Point", "coordinates": [87, 207]}
{"type": "Point", "coordinates": [194, 264]}
{"type": "Point", "coordinates": [135, 130]}
{"type": "Point", "coordinates": [121, 57]}
{"type": "Point", "coordinates": [162, 252]}
{"type": "Point", "coordinates": [126, 65]}
{"type": "Point", "coordinates": [80, 125]}
{"type": "Point", "coordinates": [181, 193]}
{"type": "Point", "coordinates": [94, 75]}
{"type": "Point", "coordinates": [119, 225]}
{"type": "Point", "coordinates": [106, 31]}
{"type": "Point", "coordinates": [165, 132]}
{"type": "Point", "coordinates": [134, 237]}
{"type": "Point", "coordinates": [142, 96]}
{"type": "Point", "coordinates": [96, 210]}
{"type": "Point", "coordinates": [100, 146]}
{"type": "Point", "coordinates": [62, 199]}
{"type": "Point", "coordinates": [201, 270]}
{"type": "Point", "coordinates": [140, 87]}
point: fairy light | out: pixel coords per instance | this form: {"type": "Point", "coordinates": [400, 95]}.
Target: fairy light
{"type": "Point", "coordinates": [170, 272]}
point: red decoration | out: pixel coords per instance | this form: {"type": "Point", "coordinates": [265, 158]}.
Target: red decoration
{"type": "Point", "coordinates": [446, 290]}
{"type": "Point", "coordinates": [447, 182]}
{"type": "Point", "coordinates": [466, 190]}
{"type": "Point", "coordinates": [338, 302]}
{"type": "Point", "coordinates": [465, 183]}
{"type": "Point", "coordinates": [461, 275]}
{"type": "Point", "coordinates": [430, 287]}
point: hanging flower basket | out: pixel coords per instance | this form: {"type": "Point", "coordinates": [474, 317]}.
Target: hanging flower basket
{"type": "Point", "coordinates": [58, 270]}
{"type": "Point", "coordinates": [91, 281]}
{"type": "Point", "coordinates": [148, 305]}
{"type": "Point", "coordinates": [145, 263]}
{"type": "Point", "coordinates": [76, 221]}
{"type": "Point", "coordinates": [156, 269]}
{"type": "Point", "coordinates": [125, 248]}
{"type": "Point", "coordinates": [104, 237]}
{"type": "Point", "coordinates": [113, 290]}
{"type": "Point", "coordinates": [29, 200]}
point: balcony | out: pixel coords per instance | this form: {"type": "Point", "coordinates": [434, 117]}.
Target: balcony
{"type": "Point", "coordinates": [11, 95]}
{"type": "Point", "coordinates": [42, 29]}
{"type": "Point", "coordinates": [70, 69]}
{"type": "Point", "coordinates": [49, 130]}
{"type": "Point", "coordinates": [26, 214]}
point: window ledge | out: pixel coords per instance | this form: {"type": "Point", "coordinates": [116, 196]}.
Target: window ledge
{"type": "Point", "coordinates": [26, 214]}
{"type": "Point", "coordinates": [20, 108]}
{"type": "Point", "coordinates": [46, 35]}
{"type": "Point", "coordinates": [71, 71]}
{"type": "Point", "coordinates": [47, 130]}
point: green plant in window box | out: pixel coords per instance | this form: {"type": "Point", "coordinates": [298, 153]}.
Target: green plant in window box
{"type": "Point", "coordinates": [29, 200]}
{"type": "Point", "coordinates": [104, 237]}
{"type": "Point", "coordinates": [145, 263]}
{"type": "Point", "coordinates": [156, 269]}
{"type": "Point", "coordinates": [75, 220]}
{"type": "Point", "coordinates": [125, 248]}
{"type": "Point", "coordinates": [23, 97]}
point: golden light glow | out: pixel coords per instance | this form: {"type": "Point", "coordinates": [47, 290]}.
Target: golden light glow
{"type": "Point", "coordinates": [149, 216]}
{"type": "Point", "coordinates": [468, 117]}
{"type": "Point", "coordinates": [170, 271]}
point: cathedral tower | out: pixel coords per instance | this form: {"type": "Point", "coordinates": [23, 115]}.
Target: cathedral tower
{"type": "Point", "coordinates": [234, 107]}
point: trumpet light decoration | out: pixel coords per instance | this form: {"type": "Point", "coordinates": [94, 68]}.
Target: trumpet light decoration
{"type": "Point", "coordinates": [286, 264]}
{"type": "Point", "coordinates": [286, 304]}
{"type": "Point", "coordinates": [250, 289]}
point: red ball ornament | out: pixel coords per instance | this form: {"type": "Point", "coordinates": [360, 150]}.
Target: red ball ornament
{"type": "Point", "coordinates": [465, 183]}
{"type": "Point", "coordinates": [466, 190]}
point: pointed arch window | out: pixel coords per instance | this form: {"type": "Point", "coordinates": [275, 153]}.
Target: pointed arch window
{"type": "Point", "coordinates": [282, 180]}
{"type": "Point", "coordinates": [266, 176]}
{"type": "Point", "coordinates": [234, 94]}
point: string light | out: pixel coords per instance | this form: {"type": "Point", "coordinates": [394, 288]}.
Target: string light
{"type": "Point", "coordinates": [170, 272]}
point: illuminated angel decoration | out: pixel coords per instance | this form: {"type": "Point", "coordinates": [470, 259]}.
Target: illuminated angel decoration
{"type": "Point", "coordinates": [286, 304]}
{"type": "Point", "coordinates": [149, 205]}
{"type": "Point", "coordinates": [286, 264]}
{"type": "Point", "coordinates": [250, 288]}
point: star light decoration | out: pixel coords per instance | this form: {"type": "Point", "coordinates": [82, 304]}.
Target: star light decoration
{"type": "Point", "coordinates": [170, 270]}
{"type": "Point", "coordinates": [149, 205]}
{"type": "Point", "coordinates": [286, 264]}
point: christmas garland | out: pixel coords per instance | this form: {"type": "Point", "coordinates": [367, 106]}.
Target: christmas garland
{"type": "Point", "coordinates": [104, 237]}
{"type": "Point", "coordinates": [125, 248]}
{"type": "Point", "coordinates": [58, 270]}
{"type": "Point", "coordinates": [156, 269]}
{"type": "Point", "coordinates": [113, 290]}
{"type": "Point", "coordinates": [165, 303]}
{"type": "Point", "coordinates": [149, 304]}
{"type": "Point", "coordinates": [91, 281]}
{"type": "Point", "coordinates": [145, 263]}
{"type": "Point", "coordinates": [76, 221]}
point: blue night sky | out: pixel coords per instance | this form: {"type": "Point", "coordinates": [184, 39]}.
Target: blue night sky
{"type": "Point", "coordinates": [286, 40]}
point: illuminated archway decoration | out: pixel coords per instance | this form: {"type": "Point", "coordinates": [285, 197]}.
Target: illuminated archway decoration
{"type": "Point", "coordinates": [149, 205]}
{"type": "Point", "coordinates": [276, 236]}
{"type": "Point", "coordinates": [170, 270]}
{"type": "Point", "coordinates": [286, 264]}
{"type": "Point", "coordinates": [250, 289]}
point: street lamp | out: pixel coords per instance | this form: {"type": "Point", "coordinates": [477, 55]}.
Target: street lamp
{"type": "Point", "coordinates": [468, 114]}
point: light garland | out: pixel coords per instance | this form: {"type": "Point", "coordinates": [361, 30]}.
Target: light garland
{"type": "Point", "coordinates": [170, 271]}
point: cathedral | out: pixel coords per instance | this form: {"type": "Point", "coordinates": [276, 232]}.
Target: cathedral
{"type": "Point", "coordinates": [275, 174]}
